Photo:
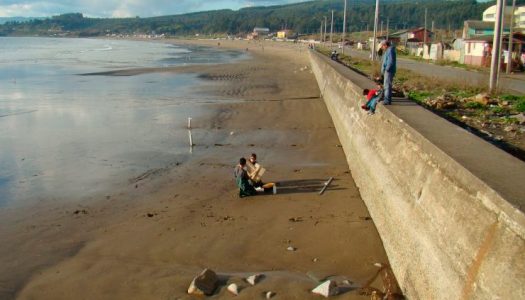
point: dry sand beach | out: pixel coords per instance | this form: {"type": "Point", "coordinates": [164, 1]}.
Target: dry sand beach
{"type": "Point", "coordinates": [149, 240]}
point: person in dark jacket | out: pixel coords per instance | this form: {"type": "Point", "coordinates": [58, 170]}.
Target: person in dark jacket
{"type": "Point", "coordinates": [242, 179]}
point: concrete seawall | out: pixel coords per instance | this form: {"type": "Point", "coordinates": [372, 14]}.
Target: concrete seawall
{"type": "Point", "coordinates": [448, 232]}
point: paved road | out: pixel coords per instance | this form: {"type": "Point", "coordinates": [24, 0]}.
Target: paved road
{"type": "Point", "coordinates": [511, 83]}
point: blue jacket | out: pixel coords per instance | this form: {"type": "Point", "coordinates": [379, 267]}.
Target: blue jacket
{"type": "Point", "coordinates": [389, 61]}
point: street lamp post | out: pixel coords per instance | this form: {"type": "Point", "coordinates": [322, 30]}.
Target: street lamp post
{"type": "Point", "coordinates": [374, 42]}
{"type": "Point", "coordinates": [332, 31]}
{"type": "Point", "coordinates": [344, 30]}
{"type": "Point", "coordinates": [325, 24]}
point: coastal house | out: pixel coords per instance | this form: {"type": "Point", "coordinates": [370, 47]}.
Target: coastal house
{"type": "Point", "coordinates": [433, 51]}
{"type": "Point", "coordinates": [284, 34]}
{"type": "Point", "coordinates": [478, 50]}
{"type": "Point", "coordinates": [475, 28]}
{"type": "Point", "coordinates": [258, 32]}
{"type": "Point", "coordinates": [489, 15]}
{"type": "Point", "coordinates": [415, 35]}
{"type": "Point", "coordinates": [454, 51]}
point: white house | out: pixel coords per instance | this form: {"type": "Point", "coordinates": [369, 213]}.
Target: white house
{"type": "Point", "coordinates": [489, 15]}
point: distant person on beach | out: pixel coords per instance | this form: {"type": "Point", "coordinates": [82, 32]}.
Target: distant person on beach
{"type": "Point", "coordinates": [242, 179]}
{"type": "Point", "coordinates": [388, 70]}
{"type": "Point", "coordinates": [255, 171]}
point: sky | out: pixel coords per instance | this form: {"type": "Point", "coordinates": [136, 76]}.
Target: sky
{"type": "Point", "coordinates": [123, 8]}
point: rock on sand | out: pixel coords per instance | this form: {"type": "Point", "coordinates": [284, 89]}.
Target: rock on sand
{"type": "Point", "coordinates": [204, 284]}
{"type": "Point", "coordinates": [254, 279]}
{"type": "Point", "coordinates": [326, 289]}
{"type": "Point", "coordinates": [234, 289]}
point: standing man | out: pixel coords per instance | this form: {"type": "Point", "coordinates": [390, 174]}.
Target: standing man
{"type": "Point", "coordinates": [388, 69]}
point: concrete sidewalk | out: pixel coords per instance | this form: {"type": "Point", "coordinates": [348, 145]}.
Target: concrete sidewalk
{"type": "Point", "coordinates": [513, 83]}
{"type": "Point", "coordinates": [501, 171]}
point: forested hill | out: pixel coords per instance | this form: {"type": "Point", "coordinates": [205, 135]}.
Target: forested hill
{"type": "Point", "coordinates": [302, 17]}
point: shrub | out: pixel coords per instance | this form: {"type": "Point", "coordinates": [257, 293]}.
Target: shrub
{"type": "Point", "coordinates": [474, 105]}
{"type": "Point", "coordinates": [520, 106]}
{"type": "Point", "coordinates": [419, 96]}
{"type": "Point", "coordinates": [497, 110]}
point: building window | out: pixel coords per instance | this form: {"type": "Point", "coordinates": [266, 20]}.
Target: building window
{"type": "Point", "coordinates": [489, 16]}
{"type": "Point", "coordinates": [478, 31]}
{"type": "Point", "coordinates": [468, 48]}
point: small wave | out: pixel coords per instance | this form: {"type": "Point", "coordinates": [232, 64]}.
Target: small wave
{"type": "Point", "coordinates": [106, 48]}
{"type": "Point", "coordinates": [7, 114]}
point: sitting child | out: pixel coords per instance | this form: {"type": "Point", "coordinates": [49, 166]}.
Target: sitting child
{"type": "Point", "coordinates": [255, 171]}
{"type": "Point", "coordinates": [372, 97]}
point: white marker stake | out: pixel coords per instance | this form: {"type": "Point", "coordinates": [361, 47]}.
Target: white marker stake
{"type": "Point", "coordinates": [189, 122]}
{"type": "Point", "coordinates": [191, 139]}
{"type": "Point", "coordinates": [326, 184]}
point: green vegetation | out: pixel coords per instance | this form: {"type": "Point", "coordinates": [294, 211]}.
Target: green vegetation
{"type": "Point", "coordinates": [304, 18]}
{"type": "Point", "coordinates": [419, 96]}
{"type": "Point", "coordinates": [474, 105]}
{"type": "Point", "coordinates": [520, 106]}
{"type": "Point", "coordinates": [517, 102]}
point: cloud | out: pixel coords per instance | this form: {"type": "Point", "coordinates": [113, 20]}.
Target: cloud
{"type": "Point", "coordinates": [123, 8]}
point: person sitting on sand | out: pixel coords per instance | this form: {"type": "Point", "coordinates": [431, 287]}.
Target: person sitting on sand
{"type": "Point", "coordinates": [242, 179]}
{"type": "Point", "coordinates": [255, 171]}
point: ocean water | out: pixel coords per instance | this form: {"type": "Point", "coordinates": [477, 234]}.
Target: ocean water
{"type": "Point", "coordinates": [68, 137]}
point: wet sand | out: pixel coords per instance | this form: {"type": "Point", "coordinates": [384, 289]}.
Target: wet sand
{"type": "Point", "coordinates": [149, 240]}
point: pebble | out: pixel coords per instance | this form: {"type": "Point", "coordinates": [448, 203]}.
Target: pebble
{"type": "Point", "coordinates": [326, 289]}
{"type": "Point", "coordinates": [269, 294]}
{"type": "Point", "coordinates": [290, 248]}
{"type": "Point", "coordinates": [204, 284]}
{"type": "Point", "coordinates": [234, 289]}
{"type": "Point", "coordinates": [253, 279]}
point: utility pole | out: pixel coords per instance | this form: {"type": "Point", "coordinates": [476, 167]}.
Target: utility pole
{"type": "Point", "coordinates": [374, 42]}
{"type": "Point", "coordinates": [321, 33]}
{"type": "Point", "coordinates": [325, 24]}
{"type": "Point", "coordinates": [332, 31]}
{"type": "Point", "coordinates": [344, 29]}
{"type": "Point", "coordinates": [387, 28]}
{"type": "Point", "coordinates": [501, 40]}
{"type": "Point", "coordinates": [425, 33]}
{"type": "Point", "coordinates": [509, 63]}
{"type": "Point", "coordinates": [496, 47]}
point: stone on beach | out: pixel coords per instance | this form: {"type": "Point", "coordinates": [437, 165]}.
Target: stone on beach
{"type": "Point", "coordinates": [254, 279]}
{"type": "Point", "coordinates": [233, 288]}
{"type": "Point", "coordinates": [204, 284]}
{"type": "Point", "coordinates": [520, 117]}
{"type": "Point", "coordinates": [269, 294]}
{"type": "Point", "coordinates": [326, 289]}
